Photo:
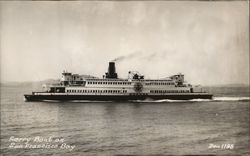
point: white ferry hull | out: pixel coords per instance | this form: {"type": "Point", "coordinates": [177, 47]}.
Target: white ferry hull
{"type": "Point", "coordinates": [69, 97]}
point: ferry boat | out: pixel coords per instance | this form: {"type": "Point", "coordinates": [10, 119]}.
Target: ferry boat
{"type": "Point", "coordinates": [112, 88]}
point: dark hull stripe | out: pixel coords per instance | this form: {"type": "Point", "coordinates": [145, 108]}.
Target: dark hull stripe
{"type": "Point", "coordinates": [115, 97]}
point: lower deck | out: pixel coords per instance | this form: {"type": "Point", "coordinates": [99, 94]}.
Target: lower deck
{"type": "Point", "coordinates": [68, 97]}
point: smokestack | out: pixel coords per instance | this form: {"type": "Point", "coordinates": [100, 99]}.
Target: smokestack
{"type": "Point", "coordinates": [111, 71]}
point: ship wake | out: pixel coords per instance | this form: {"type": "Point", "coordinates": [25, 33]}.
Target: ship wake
{"type": "Point", "coordinates": [215, 99]}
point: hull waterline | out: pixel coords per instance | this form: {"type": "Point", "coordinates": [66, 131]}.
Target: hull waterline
{"type": "Point", "coordinates": [116, 97]}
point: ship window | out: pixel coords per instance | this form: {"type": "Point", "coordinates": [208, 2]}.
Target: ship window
{"type": "Point", "coordinates": [99, 83]}
{"type": "Point", "coordinates": [109, 82]}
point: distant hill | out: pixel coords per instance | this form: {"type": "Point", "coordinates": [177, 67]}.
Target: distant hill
{"type": "Point", "coordinates": [229, 85]}
{"type": "Point", "coordinates": [47, 81]}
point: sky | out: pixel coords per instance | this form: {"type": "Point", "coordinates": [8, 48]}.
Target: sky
{"type": "Point", "coordinates": [206, 41]}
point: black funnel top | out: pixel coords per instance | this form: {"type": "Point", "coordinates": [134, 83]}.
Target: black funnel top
{"type": "Point", "coordinates": [111, 71]}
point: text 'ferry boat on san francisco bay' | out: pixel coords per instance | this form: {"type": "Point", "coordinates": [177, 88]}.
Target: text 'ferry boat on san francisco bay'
{"type": "Point", "coordinates": [112, 88]}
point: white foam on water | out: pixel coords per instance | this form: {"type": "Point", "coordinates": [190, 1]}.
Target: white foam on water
{"type": "Point", "coordinates": [215, 99]}
{"type": "Point", "coordinates": [200, 100]}
{"type": "Point", "coordinates": [231, 98]}
{"type": "Point", "coordinates": [168, 100]}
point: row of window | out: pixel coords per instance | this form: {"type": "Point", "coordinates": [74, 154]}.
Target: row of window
{"type": "Point", "coordinates": [169, 91]}
{"type": "Point", "coordinates": [96, 91]}
{"type": "Point", "coordinates": [111, 83]}
{"type": "Point", "coordinates": [163, 83]}
{"type": "Point", "coordinates": [128, 83]}
{"type": "Point", "coordinates": [126, 80]}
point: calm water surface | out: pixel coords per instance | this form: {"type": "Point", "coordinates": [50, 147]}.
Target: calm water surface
{"type": "Point", "coordinates": [162, 127]}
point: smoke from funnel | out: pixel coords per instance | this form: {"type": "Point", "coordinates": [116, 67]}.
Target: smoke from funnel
{"type": "Point", "coordinates": [130, 56]}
